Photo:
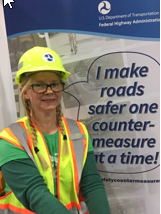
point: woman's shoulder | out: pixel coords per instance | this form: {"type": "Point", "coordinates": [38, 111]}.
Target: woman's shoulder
{"type": "Point", "coordinates": [22, 120]}
{"type": "Point", "coordinates": [10, 152]}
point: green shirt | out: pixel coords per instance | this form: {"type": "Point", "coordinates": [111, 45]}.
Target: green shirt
{"type": "Point", "coordinates": [10, 152]}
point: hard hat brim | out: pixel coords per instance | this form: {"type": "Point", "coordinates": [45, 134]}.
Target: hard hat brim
{"type": "Point", "coordinates": [18, 79]}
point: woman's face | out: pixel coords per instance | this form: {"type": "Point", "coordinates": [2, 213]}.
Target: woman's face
{"type": "Point", "coordinates": [47, 101]}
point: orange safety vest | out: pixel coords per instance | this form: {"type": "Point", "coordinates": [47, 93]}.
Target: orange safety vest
{"type": "Point", "coordinates": [18, 134]}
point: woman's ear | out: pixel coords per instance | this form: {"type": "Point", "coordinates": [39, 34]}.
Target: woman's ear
{"type": "Point", "coordinates": [25, 93]}
{"type": "Point", "coordinates": [20, 88]}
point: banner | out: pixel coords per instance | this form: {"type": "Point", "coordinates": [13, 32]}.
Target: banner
{"type": "Point", "coordinates": [112, 51]}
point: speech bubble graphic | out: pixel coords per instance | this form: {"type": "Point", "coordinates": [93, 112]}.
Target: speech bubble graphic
{"type": "Point", "coordinates": [120, 97]}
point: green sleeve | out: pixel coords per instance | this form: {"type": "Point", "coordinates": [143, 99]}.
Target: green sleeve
{"type": "Point", "coordinates": [90, 146]}
{"type": "Point", "coordinates": [10, 152]}
{"type": "Point", "coordinates": [28, 186]}
{"type": "Point", "coordinates": [93, 189]}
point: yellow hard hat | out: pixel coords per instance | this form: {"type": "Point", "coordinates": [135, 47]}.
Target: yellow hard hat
{"type": "Point", "coordinates": [40, 59]}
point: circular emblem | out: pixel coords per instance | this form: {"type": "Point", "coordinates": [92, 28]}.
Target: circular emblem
{"type": "Point", "coordinates": [104, 7]}
{"type": "Point", "coordinates": [48, 57]}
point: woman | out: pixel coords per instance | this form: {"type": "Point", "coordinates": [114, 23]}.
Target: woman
{"type": "Point", "coordinates": [47, 160]}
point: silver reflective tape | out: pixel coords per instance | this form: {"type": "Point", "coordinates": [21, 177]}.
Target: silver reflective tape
{"type": "Point", "coordinates": [84, 207]}
{"type": "Point", "coordinates": [77, 136]}
{"type": "Point", "coordinates": [73, 126]}
{"type": "Point", "coordinates": [8, 211]}
{"type": "Point", "coordinates": [79, 149]}
{"type": "Point", "coordinates": [74, 210]}
{"type": "Point", "coordinates": [21, 135]}
{"type": "Point", "coordinates": [80, 211]}
{"type": "Point", "coordinates": [77, 144]}
{"type": "Point", "coordinates": [20, 65]}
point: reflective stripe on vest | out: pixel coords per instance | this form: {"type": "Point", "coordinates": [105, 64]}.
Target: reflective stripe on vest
{"type": "Point", "coordinates": [84, 209]}
{"type": "Point", "coordinates": [76, 137]}
{"type": "Point", "coordinates": [8, 211]}
{"type": "Point", "coordinates": [21, 135]}
{"type": "Point", "coordinates": [76, 140]}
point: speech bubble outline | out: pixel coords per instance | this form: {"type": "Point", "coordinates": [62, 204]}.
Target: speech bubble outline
{"type": "Point", "coordinates": [119, 52]}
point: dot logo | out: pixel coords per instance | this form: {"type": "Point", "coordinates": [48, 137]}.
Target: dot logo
{"type": "Point", "coordinates": [48, 57]}
{"type": "Point", "coordinates": [104, 7]}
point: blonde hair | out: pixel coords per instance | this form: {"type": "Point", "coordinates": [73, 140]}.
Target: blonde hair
{"type": "Point", "coordinates": [25, 84]}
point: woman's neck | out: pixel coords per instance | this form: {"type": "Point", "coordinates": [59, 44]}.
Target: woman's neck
{"type": "Point", "coordinates": [46, 122]}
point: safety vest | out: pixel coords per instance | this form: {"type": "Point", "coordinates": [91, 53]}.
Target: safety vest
{"type": "Point", "coordinates": [68, 191]}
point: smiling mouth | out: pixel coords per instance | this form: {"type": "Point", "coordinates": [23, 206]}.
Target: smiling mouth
{"type": "Point", "coordinates": [50, 100]}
